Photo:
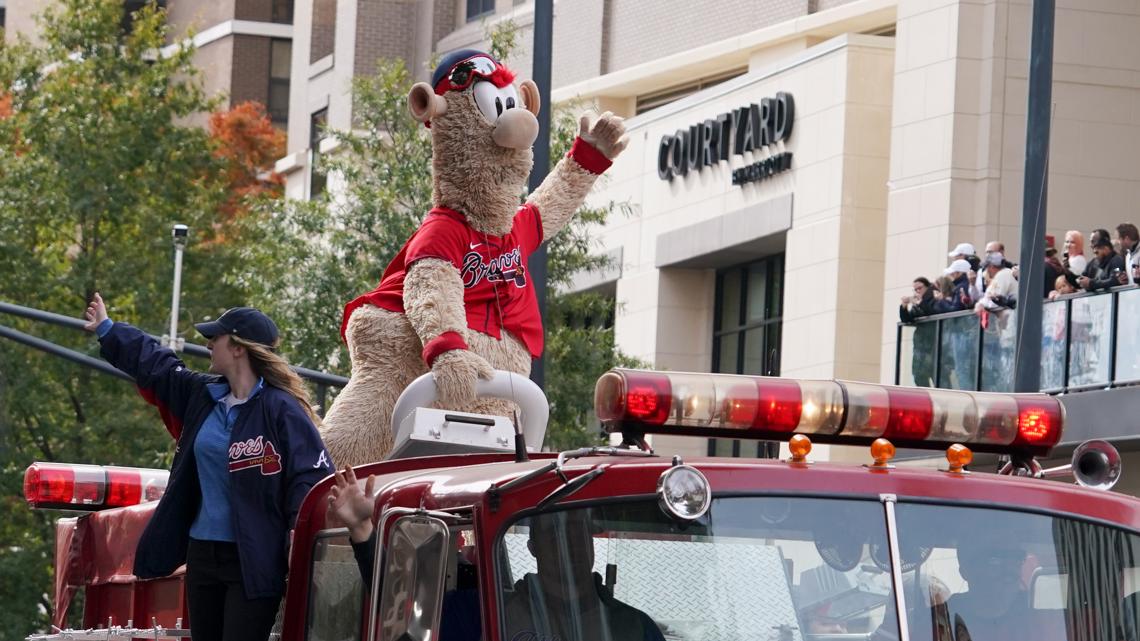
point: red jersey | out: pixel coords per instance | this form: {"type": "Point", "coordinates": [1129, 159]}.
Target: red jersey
{"type": "Point", "coordinates": [493, 270]}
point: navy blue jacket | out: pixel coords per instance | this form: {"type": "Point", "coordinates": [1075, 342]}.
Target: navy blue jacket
{"type": "Point", "coordinates": [276, 455]}
{"type": "Point", "coordinates": [953, 303]}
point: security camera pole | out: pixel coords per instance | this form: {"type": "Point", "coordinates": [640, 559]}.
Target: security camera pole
{"type": "Point", "coordinates": [180, 235]}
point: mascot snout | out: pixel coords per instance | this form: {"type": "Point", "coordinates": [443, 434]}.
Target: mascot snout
{"type": "Point", "coordinates": [515, 129]}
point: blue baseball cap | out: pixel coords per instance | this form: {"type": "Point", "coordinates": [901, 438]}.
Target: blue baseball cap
{"type": "Point", "coordinates": [246, 323]}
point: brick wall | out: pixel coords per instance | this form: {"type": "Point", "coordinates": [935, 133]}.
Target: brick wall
{"type": "Point", "coordinates": [644, 30]}
{"type": "Point", "coordinates": [445, 14]}
{"type": "Point", "coordinates": [259, 10]}
{"type": "Point", "coordinates": [323, 29]}
{"type": "Point", "coordinates": [250, 80]}
{"type": "Point", "coordinates": [383, 30]}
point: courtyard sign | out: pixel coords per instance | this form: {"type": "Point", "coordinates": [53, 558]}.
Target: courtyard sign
{"type": "Point", "coordinates": [747, 129]}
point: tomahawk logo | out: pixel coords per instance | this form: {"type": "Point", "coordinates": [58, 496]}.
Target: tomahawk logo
{"type": "Point", "coordinates": [255, 452]}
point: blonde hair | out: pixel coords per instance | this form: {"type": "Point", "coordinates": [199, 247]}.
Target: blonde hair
{"type": "Point", "coordinates": [275, 371]}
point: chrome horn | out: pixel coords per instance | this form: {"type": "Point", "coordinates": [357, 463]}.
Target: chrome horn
{"type": "Point", "coordinates": [1095, 464]}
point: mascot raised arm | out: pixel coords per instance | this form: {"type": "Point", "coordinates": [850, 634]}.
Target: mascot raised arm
{"type": "Point", "coordinates": [458, 299]}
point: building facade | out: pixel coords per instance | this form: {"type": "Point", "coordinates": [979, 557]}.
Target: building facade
{"type": "Point", "coordinates": [793, 164]}
{"type": "Point", "coordinates": [244, 47]}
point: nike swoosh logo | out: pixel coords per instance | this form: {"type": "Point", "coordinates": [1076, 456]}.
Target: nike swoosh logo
{"type": "Point", "coordinates": [474, 245]}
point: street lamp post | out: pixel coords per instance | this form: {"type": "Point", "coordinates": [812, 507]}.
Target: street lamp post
{"type": "Point", "coordinates": [543, 34]}
{"type": "Point", "coordinates": [180, 235]}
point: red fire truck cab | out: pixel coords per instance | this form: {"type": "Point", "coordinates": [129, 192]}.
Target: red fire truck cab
{"type": "Point", "coordinates": [620, 543]}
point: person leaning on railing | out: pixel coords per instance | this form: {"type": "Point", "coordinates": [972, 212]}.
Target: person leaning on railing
{"type": "Point", "coordinates": [911, 309]}
{"type": "Point", "coordinates": [958, 298]}
{"type": "Point", "coordinates": [1129, 239]}
{"type": "Point", "coordinates": [1001, 293]}
{"type": "Point", "coordinates": [1102, 271]}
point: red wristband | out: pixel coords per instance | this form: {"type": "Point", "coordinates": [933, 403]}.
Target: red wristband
{"type": "Point", "coordinates": [445, 342]}
{"type": "Point", "coordinates": [589, 157]}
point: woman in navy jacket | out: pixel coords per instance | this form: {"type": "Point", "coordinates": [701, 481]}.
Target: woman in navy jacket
{"type": "Point", "coordinates": [247, 453]}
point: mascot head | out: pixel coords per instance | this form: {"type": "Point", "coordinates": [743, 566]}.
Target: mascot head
{"type": "Point", "coordinates": [482, 129]}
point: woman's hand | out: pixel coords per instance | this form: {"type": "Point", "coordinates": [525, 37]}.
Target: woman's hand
{"type": "Point", "coordinates": [352, 505]}
{"type": "Point", "coordinates": [96, 313]}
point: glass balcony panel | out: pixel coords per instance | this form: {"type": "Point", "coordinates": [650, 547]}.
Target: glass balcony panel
{"type": "Point", "coordinates": [999, 341]}
{"type": "Point", "coordinates": [1091, 341]}
{"type": "Point", "coordinates": [1053, 345]}
{"type": "Point", "coordinates": [1128, 336]}
{"type": "Point", "coordinates": [958, 353]}
{"type": "Point", "coordinates": [922, 355]}
{"type": "Point", "coordinates": [906, 355]}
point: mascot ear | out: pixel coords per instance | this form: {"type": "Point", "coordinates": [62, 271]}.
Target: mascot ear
{"type": "Point", "coordinates": [424, 103]}
{"type": "Point", "coordinates": [531, 99]}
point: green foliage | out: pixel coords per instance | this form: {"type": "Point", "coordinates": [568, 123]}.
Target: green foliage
{"type": "Point", "coordinates": [94, 171]}
{"type": "Point", "coordinates": [380, 179]}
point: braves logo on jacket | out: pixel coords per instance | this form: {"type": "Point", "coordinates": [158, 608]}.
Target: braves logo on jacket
{"type": "Point", "coordinates": [255, 452]}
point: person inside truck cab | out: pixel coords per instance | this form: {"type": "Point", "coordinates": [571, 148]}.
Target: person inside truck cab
{"type": "Point", "coordinates": [996, 602]}
{"type": "Point", "coordinates": [247, 453]}
{"type": "Point", "coordinates": [566, 599]}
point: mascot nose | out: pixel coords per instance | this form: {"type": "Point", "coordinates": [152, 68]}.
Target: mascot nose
{"type": "Point", "coordinates": [515, 129]}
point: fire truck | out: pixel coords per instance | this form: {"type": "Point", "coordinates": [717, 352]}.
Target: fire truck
{"type": "Point", "coordinates": [480, 535]}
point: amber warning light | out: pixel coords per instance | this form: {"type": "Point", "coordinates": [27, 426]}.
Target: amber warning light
{"type": "Point", "coordinates": [91, 487]}
{"type": "Point", "coordinates": [841, 412]}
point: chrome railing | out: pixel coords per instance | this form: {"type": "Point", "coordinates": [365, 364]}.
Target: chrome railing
{"type": "Point", "coordinates": [1089, 341]}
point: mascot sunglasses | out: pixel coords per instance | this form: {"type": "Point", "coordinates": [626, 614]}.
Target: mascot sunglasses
{"type": "Point", "coordinates": [465, 72]}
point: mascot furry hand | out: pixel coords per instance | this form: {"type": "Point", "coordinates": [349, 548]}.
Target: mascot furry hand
{"type": "Point", "coordinates": [458, 298]}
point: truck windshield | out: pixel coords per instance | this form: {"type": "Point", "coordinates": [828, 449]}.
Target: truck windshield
{"type": "Point", "coordinates": [813, 569]}
{"type": "Point", "coordinates": [785, 569]}
{"type": "Point", "coordinates": [996, 574]}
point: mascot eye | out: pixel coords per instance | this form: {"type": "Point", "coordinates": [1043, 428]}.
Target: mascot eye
{"type": "Point", "coordinates": [510, 96]}
{"type": "Point", "coordinates": [493, 101]}
{"type": "Point", "coordinates": [488, 97]}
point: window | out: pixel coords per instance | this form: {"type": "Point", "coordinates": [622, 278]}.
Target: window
{"type": "Point", "coordinates": [1001, 574]}
{"type": "Point", "coordinates": [323, 33]}
{"type": "Point", "coordinates": [479, 8]}
{"type": "Point", "coordinates": [280, 61]}
{"type": "Point", "coordinates": [283, 11]}
{"type": "Point", "coordinates": [336, 592]}
{"type": "Point", "coordinates": [126, 24]}
{"type": "Point", "coordinates": [749, 308]}
{"type": "Point", "coordinates": [317, 178]}
{"type": "Point", "coordinates": [756, 569]}
{"type": "Point", "coordinates": [666, 96]}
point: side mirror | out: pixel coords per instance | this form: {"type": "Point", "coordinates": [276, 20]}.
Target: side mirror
{"type": "Point", "coordinates": [413, 579]}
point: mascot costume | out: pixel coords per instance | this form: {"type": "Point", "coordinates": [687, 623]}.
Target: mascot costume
{"type": "Point", "coordinates": [458, 300]}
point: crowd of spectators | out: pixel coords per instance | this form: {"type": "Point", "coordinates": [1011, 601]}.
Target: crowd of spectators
{"type": "Point", "coordinates": [988, 285]}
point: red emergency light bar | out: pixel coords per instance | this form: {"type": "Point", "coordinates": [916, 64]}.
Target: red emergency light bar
{"type": "Point", "coordinates": [840, 412]}
{"type": "Point", "coordinates": [66, 486]}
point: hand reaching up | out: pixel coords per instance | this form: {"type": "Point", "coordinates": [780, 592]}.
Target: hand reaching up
{"type": "Point", "coordinates": [96, 313]}
{"type": "Point", "coordinates": [352, 505]}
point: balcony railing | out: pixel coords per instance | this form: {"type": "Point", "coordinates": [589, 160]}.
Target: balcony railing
{"type": "Point", "coordinates": [1089, 341]}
